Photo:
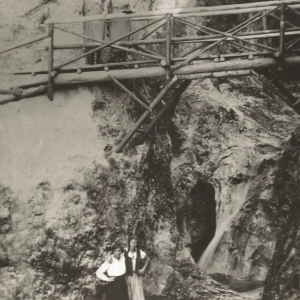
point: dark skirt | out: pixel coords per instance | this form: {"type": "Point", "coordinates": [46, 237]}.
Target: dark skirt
{"type": "Point", "coordinates": [117, 289]}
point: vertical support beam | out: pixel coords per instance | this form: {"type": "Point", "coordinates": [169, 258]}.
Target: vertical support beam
{"type": "Point", "coordinates": [168, 44]}
{"type": "Point", "coordinates": [50, 62]}
{"type": "Point", "coordinates": [282, 30]}
{"type": "Point", "coordinates": [265, 27]}
{"type": "Point", "coordinates": [172, 36]}
{"type": "Point", "coordinates": [144, 116]}
{"type": "Point", "coordinates": [264, 21]}
{"type": "Point", "coordinates": [251, 27]}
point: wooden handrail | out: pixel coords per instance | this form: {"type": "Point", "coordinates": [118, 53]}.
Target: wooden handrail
{"type": "Point", "coordinates": [184, 12]}
{"type": "Point", "coordinates": [108, 44]}
{"type": "Point", "coordinates": [187, 39]}
{"type": "Point", "coordinates": [234, 30]}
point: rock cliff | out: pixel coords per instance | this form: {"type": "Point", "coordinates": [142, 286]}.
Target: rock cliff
{"type": "Point", "coordinates": [211, 176]}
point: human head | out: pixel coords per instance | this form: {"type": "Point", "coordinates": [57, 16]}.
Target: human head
{"type": "Point", "coordinates": [116, 250]}
{"type": "Point", "coordinates": [132, 242]}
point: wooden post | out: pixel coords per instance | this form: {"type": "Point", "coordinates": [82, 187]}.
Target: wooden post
{"type": "Point", "coordinates": [172, 36]}
{"type": "Point", "coordinates": [50, 62]}
{"type": "Point", "coordinates": [265, 21]}
{"type": "Point", "coordinates": [168, 44]}
{"type": "Point", "coordinates": [144, 116]}
{"type": "Point", "coordinates": [265, 27]}
{"type": "Point", "coordinates": [282, 29]}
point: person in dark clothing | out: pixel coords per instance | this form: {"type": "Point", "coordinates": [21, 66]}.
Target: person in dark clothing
{"type": "Point", "coordinates": [136, 263]}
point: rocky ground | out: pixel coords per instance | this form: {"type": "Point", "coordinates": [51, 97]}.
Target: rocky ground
{"type": "Point", "coordinates": [216, 166]}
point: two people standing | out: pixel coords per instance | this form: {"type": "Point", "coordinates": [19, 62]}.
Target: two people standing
{"type": "Point", "coordinates": [123, 272]}
{"type": "Point", "coordinates": [99, 30]}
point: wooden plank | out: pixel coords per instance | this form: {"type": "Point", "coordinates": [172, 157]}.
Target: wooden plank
{"type": "Point", "coordinates": [145, 115]}
{"type": "Point", "coordinates": [202, 11]}
{"type": "Point", "coordinates": [27, 42]}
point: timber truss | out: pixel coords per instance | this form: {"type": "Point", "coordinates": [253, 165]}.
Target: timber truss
{"type": "Point", "coordinates": [257, 50]}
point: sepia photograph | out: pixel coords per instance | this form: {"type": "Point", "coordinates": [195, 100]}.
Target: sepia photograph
{"type": "Point", "coordinates": [149, 149]}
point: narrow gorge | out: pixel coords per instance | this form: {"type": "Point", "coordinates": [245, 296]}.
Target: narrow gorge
{"type": "Point", "coordinates": [213, 194]}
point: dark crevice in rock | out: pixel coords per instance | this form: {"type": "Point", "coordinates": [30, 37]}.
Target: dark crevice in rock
{"type": "Point", "coordinates": [197, 217]}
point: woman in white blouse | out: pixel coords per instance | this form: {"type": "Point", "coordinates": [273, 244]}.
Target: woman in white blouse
{"type": "Point", "coordinates": [135, 267]}
{"type": "Point", "coordinates": [115, 269]}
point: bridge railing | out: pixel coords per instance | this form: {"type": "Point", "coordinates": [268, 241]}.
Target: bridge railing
{"type": "Point", "coordinates": [239, 36]}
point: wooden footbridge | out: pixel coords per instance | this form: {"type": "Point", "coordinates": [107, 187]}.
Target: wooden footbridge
{"type": "Point", "coordinates": [266, 38]}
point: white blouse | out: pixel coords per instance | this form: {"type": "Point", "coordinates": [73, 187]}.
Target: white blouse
{"type": "Point", "coordinates": [115, 268]}
{"type": "Point", "coordinates": [133, 257]}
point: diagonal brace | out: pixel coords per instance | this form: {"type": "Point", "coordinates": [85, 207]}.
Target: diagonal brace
{"type": "Point", "coordinates": [205, 31]}
{"type": "Point", "coordinates": [234, 30]}
{"type": "Point", "coordinates": [128, 92]}
{"type": "Point", "coordinates": [152, 55]}
{"type": "Point", "coordinates": [153, 30]}
{"type": "Point", "coordinates": [228, 35]}
{"type": "Point", "coordinates": [145, 115]}
{"type": "Point", "coordinates": [293, 10]}
{"type": "Point", "coordinates": [287, 22]}
{"type": "Point", "coordinates": [275, 91]}
{"type": "Point", "coordinates": [106, 45]}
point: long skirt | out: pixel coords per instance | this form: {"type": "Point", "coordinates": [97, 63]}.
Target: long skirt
{"type": "Point", "coordinates": [135, 287]}
{"type": "Point", "coordinates": [117, 289]}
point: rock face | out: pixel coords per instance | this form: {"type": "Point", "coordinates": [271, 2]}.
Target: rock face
{"type": "Point", "coordinates": [207, 178]}
{"type": "Point", "coordinates": [283, 277]}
